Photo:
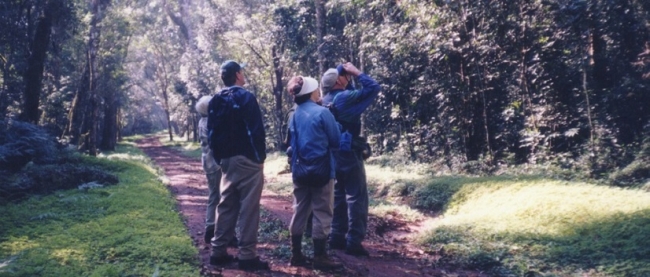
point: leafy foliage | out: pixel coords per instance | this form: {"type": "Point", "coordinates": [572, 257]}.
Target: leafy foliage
{"type": "Point", "coordinates": [474, 85]}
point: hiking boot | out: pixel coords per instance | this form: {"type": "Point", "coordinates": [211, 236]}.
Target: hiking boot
{"type": "Point", "coordinates": [234, 243]}
{"type": "Point", "coordinates": [209, 233]}
{"type": "Point", "coordinates": [338, 244]}
{"type": "Point", "coordinates": [222, 260]}
{"type": "Point", "coordinates": [297, 258]}
{"type": "Point", "coordinates": [253, 264]}
{"type": "Point", "coordinates": [325, 263]}
{"type": "Point", "coordinates": [321, 261]}
{"type": "Point", "coordinates": [356, 250]}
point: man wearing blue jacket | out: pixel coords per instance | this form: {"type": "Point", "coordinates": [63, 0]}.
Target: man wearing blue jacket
{"type": "Point", "coordinates": [242, 180]}
{"type": "Point", "coordinates": [350, 191]}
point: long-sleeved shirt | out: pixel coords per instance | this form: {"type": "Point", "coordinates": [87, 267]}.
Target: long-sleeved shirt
{"type": "Point", "coordinates": [349, 104]}
{"type": "Point", "coordinates": [317, 133]}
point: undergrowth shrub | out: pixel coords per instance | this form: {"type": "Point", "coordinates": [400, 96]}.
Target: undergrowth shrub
{"type": "Point", "coordinates": [33, 162]}
{"type": "Point", "coordinates": [43, 179]}
{"type": "Point", "coordinates": [21, 143]}
{"type": "Point", "coordinates": [636, 172]}
{"type": "Point", "coordinates": [436, 194]}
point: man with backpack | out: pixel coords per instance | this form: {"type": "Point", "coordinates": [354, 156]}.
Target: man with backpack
{"type": "Point", "coordinates": [350, 191]}
{"type": "Point", "coordinates": [238, 141]}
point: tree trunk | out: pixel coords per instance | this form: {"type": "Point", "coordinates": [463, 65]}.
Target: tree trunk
{"type": "Point", "coordinates": [35, 65]}
{"type": "Point", "coordinates": [86, 101]}
{"type": "Point", "coordinates": [109, 132]}
{"type": "Point", "coordinates": [277, 90]}
{"type": "Point", "coordinates": [320, 33]}
{"type": "Point", "coordinates": [119, 124]}
{"type": "Point", "coordinates": [163, 83]}
{"type": "Point", "coordinates": [78, 110]}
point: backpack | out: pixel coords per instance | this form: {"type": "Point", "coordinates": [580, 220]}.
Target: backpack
{"type": "Point", "coordinates": [223, 116]}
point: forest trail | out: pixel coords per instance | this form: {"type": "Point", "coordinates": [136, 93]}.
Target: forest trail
{"type": "Point", "coordinates": [391, 254]}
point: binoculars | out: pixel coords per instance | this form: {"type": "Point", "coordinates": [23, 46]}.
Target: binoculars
{"type": "Point", "coordinates": [341, 70]}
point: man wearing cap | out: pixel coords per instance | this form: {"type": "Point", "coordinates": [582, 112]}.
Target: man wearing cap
{"type": "Point", "coordinates": [350, 191]}
{"type": "Point", "coordinates": [242, 177]}
{"type": "Point", "coordinates": [314, 135]}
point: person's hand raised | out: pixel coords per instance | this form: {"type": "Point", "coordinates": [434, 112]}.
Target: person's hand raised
{"type": "Point", "coordinates": [351, 69]}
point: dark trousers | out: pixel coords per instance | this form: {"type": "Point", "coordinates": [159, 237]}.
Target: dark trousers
{"type": "Point", "coordinates": [350, 218]}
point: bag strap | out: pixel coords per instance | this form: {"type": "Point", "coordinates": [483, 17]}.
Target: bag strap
{"type": "Point", "coordinates": [295, 130]}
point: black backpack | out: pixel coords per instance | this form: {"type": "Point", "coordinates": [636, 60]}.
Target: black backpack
{"type": "Point", "coordinates": [223, 117]}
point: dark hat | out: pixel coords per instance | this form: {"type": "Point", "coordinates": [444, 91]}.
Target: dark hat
{"type": "Point", "coordinates": [230, 67]}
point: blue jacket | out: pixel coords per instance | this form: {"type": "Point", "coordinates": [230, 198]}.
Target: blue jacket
{"type": "Point", "coordinates": [250, 131]}
{"type": "Point", "coordinates": [318, 133]}
{"type": "Point", "coordinates": [349, 104]}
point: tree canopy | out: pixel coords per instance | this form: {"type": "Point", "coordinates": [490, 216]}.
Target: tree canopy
{"type": "Point", "coordinates": [493, 83]}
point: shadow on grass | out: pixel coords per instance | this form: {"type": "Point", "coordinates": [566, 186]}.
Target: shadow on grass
{"type": "Point", "coordinates": [438, 193]}
{"type": "Point", "coordinates": [615, 246]}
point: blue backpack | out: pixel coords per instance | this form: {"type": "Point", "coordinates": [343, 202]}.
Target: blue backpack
{"type": "Point", "coordinates": [223, 118]}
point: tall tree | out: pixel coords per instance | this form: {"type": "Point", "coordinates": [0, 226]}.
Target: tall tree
{"type": "Point", "coordinates": [36, 61]}
{"type": "Point", "coordinates": [84, 113]}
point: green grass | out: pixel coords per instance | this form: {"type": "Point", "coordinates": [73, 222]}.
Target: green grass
{"type": "Point", "coordinates": [186, 148]}
{"type": "Point", "coordinates": [522, 225]}
{"type": "Point", "coordinates": [130, 229]}
{"type": "Point", "coordinates": [511, 226]}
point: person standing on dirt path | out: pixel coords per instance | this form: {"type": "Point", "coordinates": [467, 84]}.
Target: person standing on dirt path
{"type": "Point", "coordinates": [314, 135]}
{"type": "Point", "coordinates": [286, 147]}
{"type": "Point", "coordinates": [212, 171]}
{"type": "Point", "coordinates": [351, 190]}
{"type": "Point", "coordinates": [210, 166]}
{"type": "Point", "coordinates": [241, 156]}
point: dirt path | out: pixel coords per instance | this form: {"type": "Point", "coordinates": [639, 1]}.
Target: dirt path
{"type": "Point", "coordinates": [391, 254]}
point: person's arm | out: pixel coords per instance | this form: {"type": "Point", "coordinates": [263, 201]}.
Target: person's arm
{"type": "Point", "coordinates": [369, 87]}
{"type": "Point", "coordinates": [253, 118]}
{"type": "Point", "coordinates": [331, 130]}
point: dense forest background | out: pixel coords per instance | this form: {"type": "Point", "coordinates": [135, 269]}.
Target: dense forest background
{"type": "Point", "coordinates": [467, 85]}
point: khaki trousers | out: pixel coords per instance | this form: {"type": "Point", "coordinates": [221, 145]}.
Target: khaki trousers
{"type": "Point", "coordinates": [242, 182]}
{"type": "Point", "coordinates": [319, 200]}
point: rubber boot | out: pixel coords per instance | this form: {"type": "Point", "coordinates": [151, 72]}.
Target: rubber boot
{"type": "Point", "coordinates": [321, 260]}
{"type": "Point", "coordinates": [297, 258]}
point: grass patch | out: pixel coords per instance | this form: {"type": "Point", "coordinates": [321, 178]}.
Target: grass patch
{"type": "Point", "coordinates": [186, 148]}
{"type": "Point", "coordinates": [525, 226]}
{"type": "Point", "coordinates": [130, 229]}
{"type": "Point", "coordinates": [402, 212]}
{"type": "Point", "coordinates": [276, 169]}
